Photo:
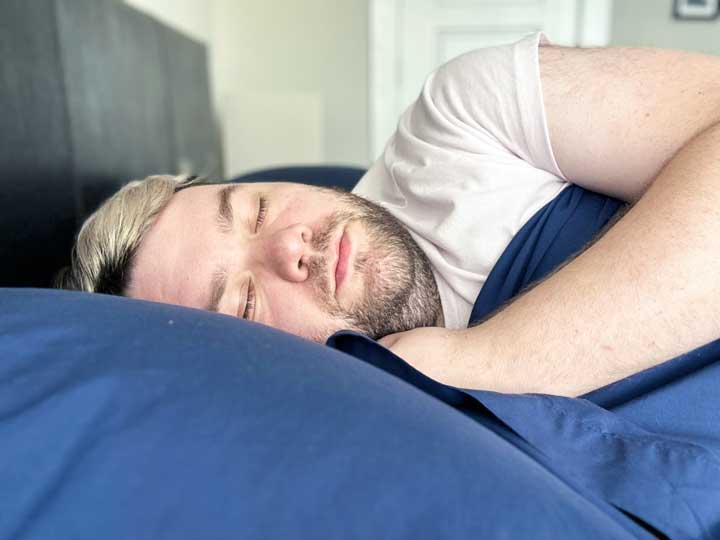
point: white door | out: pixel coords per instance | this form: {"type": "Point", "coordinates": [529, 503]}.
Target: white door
{"type": "Point", "coordinates": [410, 38]}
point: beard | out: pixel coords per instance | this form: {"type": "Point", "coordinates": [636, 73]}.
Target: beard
{"type": "Point", "coordinates": [400, 290]}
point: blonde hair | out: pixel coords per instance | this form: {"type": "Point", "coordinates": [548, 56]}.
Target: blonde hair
{"type": "Point", "coordinates": [102, 257]}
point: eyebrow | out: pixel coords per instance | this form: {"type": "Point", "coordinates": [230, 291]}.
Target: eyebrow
{"type": "Point", "coordinates": [225, 222]}
{"type": "Point", "coordinates": [217, 288]}
{"type": "Point", "coordinates": [225, 209]}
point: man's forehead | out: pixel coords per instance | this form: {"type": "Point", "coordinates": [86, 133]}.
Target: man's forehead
{"type": "Point", "coordinates": [178, 250]}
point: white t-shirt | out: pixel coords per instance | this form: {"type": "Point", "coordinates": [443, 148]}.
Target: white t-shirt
{"type": "Point", "coordinates": [469, 165]}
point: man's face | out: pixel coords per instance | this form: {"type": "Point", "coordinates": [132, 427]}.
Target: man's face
{"type": "Point", "coordinates": [307, 260]}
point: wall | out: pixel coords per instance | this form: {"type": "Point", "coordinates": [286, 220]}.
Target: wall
{"type": "Point", "coordinates": [189, 16]}
{"type": "Point", "coordinates": [289, 78]}
{"type": "Point", "coordinates": [650, 23]}
{"type": "Point", "coordinates": [296, 74]}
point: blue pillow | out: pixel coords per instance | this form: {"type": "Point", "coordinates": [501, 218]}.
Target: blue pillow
{"type": "Point", "coordinates": [344, 177]}
{"type": "Point", "coordinates": [126, 419]}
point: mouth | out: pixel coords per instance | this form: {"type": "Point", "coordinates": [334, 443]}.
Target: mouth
{"type": "Point", "coordinates": [341, 261]}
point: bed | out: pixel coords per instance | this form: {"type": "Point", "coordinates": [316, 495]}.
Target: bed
{"type": "Point", "coordinates": [128, 419]}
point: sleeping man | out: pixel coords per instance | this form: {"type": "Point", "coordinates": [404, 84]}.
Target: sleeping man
{"type": "Point", "coordinates": [496, 138]}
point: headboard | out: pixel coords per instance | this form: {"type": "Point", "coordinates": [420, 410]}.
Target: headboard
{"type": "Point", "coordinates": [93, 93]}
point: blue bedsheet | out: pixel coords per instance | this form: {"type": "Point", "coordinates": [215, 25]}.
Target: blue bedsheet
{"type": "Point", "coordinates": [640, 457]}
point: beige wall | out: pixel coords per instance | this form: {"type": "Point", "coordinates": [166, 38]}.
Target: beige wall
{"type": "Point", "coordinates": [189, 16]}
{"type": "Point", "coordinates": [292, 78]}
{"type": "Point", "coordinates": [289, 77]}
{"type": "Point", "coordinates": [650, 23]}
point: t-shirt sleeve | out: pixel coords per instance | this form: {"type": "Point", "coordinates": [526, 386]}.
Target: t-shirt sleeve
{"type": "Point", "coordinates": [469, 164]}
{"type": "Point", "coordinates": [487, 102]}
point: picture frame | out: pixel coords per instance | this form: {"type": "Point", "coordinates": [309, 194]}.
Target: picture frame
{"type": "Point", "coordinates": [698, 10]}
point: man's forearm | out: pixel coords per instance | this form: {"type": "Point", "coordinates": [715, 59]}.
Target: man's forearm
{"type": "Point", "coordinates": [647, 291]}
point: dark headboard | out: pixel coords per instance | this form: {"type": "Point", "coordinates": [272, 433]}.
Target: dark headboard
{"type": "Point", "coordinates": [92, 94]}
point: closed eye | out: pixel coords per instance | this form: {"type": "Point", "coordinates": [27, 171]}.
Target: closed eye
{"type": "Point", "coordinates": [262, 211]}
{"type": "Point", "coordinates": [249, 310]}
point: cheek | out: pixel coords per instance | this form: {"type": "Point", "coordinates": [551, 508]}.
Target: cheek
{"type": "Point", "coordinates": [296, 311]}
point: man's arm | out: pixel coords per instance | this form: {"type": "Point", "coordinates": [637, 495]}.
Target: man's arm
{"type": "Point", "coordinates": [616, 116]}
{"type": "Point", "coordinates": [649, 289]}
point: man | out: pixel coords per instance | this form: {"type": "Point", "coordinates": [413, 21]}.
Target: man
{"type": "Point", "coordinates": [495, 135]}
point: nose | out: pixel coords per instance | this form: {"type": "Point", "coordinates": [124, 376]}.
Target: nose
{"type": "Point", "coordinates": [287, 250]}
